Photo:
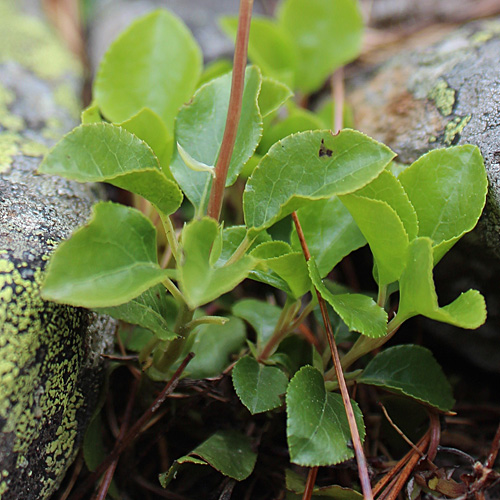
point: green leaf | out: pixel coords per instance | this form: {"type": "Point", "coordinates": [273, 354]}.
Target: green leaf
{"type": "Point", "coordinates": [107, 153]}
{"type": "Point", "coordinates": [149, 310]}
{"type": "Point", "coordinates": [330, 232]}
{"type": "Point", "coordinates": [232, 237]}
{"type": "Point", "coordinates": [259, 387]}
{"type": "Point", "coordinates": [149, 127]}
{"type": "Point", "coordinates": [326, 112]}
{"type": "Point", "coordinates": [215, 69]}
{"type": "Point", "coordinates": [213, 347]}
{"type": "Point", "coordinates": [200, 281]}
{"type": "Point", "coordinates": [156, 63]}
{"type": "Point", "coordinates": [261, 315]}
{"type": "Point", "coordinates": [310, 166]}
{"type": "Point", "coordinates": [327, 34]}
{"type": "Point", "coordinates": [317, 427]}
{"type": "Point", "coordinates": [228, 452]}
{"type": "Point", "coordinates": [273, 94]}
{"type": "Point", "coordinates": [359, 312]}
{"type": "Point", "coordinates": [298, 120]}
{"type": "Point", "coordinates": [385, 233]}
{"type": "Point", "coordinates": [107, 262]}
{"type": "Point", "coordinates": [410, 370]}
{"type": "Point", "coordinates": [269, 47]}
{"type": "Point", "coordinates": [447, 188]}
{"type": "Point", "coordinates": [418, 295]}
{"type": "Point", "coordinates": [199, 130]}
{"type": "Point", "coordinates": [387, 188]}
{"type": "Point", "coordinates": [136, 338]}
{"type": "Point", "coordinates": [91, 114]}
{"type": "Point", "coordinates": [279, 264]}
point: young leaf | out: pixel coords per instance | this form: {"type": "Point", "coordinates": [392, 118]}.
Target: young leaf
{"type": "Point", "coordinates": [279, 264]}
{"type": "Point", "coordinates": [149, 127]}
{"type": "Point", "coordinates": [107, 153]}
{"type": "Point", "coordinates": [269, 47]}
{"type": "Point", "coordinates": [149, 310]}
{"type": "Point", "coordinates": [359, 312]}
{"type": "Point", "coordinates": [410, 370]}
{"type": "Point", "coordinates": [385, 233]}
{"type": "Point", "coordinates": [418, 295]}
{"type": "Point", "coordinates": [91, 114]}
{"type": "Point", "coordinates": [201, 282]}
{"type": "Point", "coordinates": [155, 63]}
{"type": "Point", "coordinates": [447, 188]}
{"type": "Point", "coordinates": [261, 315]}
{"type": "Point", "coordinates": [310, 166]}
{"type": "Point", "coordinates": [387, 188]}
{"type": "Point", "coordinates": [273, 94]}
{"type": "Point", "coordinates": [259, 387]}
{"type": "Point", "coordinates": [327, 34]}
{"type": "Point", "coordinates": [228, 452]}
{"type": "Point", "coordinates": [199, 129]}
{"type": "Point", "coordinates": [232, 237]}
{"type": "Point", "coordinates": [317, 427]}
{"type": "Point", "coordinates": [330, 233]}
{"type": "Point", "coordinates": [213, 347]}
{"type": "Point", "coordinates": [106, 263]}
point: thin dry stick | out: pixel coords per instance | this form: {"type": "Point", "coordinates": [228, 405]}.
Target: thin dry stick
{"type": "Point", "coordinates": [495, 445]}
{"type": "Point", "coordinates": [108, 476]}
{"type": "Point", "coordinates": [133, 432]}
{"type": "Point", "coordinates": [356, 440]}
{"type": "Point", "coordinates": [337, 83]}
{"type": "Point", "coordinates": [311, 479]}
{"type": "Point", "coordinates": [234, 110]}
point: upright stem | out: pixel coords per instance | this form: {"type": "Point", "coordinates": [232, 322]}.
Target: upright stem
{"type": "Point", "coordinates": [356, 440]}
{"type": "Point", "coordinates": [234, 111]}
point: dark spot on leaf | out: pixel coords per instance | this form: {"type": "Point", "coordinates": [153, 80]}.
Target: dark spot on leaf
{"type": "Point", "coordinates": [323, 150]}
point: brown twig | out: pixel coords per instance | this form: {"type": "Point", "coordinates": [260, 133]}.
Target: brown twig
{"type": "Point", "coordinates": [234, 110]}
{"type": "Point", "coordinates": [134, 431]}
{"type": "Point", "coordinates": [356, 440]}
{"type": "Point", "coordinates": [311, 479]}
{"type": "Point", "coordinates": [495, 446]}
{"type": "Point", "coordinates": [108, 476]}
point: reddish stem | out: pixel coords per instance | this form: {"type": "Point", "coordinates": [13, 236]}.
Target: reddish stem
{"type": "Point", "coordinates": [311, 479]}
{"type": "Point", "coordinates": [356, 440]}
{"type": "Point", "coordinates": [234, 110]}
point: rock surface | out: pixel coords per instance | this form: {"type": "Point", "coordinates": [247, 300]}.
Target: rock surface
{"type": "Point", "coordinates": [434, 97]}
{"type": "Point", "coordinates": [50, 365]}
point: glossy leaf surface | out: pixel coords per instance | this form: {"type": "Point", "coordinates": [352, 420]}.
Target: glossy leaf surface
{"type": "Point", "coordinates": [310, 166]}
{"type": "Point", "coordinates": [200, 281]}
{"type": "Point", "coordinates": [327, 34]}
{"type": "Point", "coordinates": [259, 387]}
{"type": "Point", "coordinates": [317, 427]}
{"type": "Point", "coordinates": [155, 63]}
{"type": "Point", "coordinates": [410, 370]}
{"type": "Point", "coordinates": [418, 294]}
{"type": "Point", "coordinates": [106, 263]}
{"type": "Point", "coordinates": [229, 452]}
{"type": "Point", "coordinates": [199, 130]}
{"type": "Point", "coordinates": [330, 232]}
{"type": "Point", "coordinates": [359, 312]}
{"type": "Point", "coordinates": [107, 153]}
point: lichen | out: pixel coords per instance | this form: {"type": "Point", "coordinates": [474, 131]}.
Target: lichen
{"type": "Point", "coordinates": [454, 128]}
{"type": "Point", "coordinates": [40, 356]}
{"type": "Point", "coordinates": [443, 96]}
{"type": "Point", "coordinates": [27, 40]}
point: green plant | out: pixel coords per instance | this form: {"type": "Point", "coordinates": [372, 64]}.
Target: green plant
{"type": "Point", "coordinates": [342, 191]}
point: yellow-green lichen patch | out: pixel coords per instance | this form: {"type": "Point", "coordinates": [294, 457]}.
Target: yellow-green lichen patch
{"type": "Point", "coordinates": [8, 120]}
{"type": "Point", "coordinates": [40, 354]}
{"type": "Point", "coordinates": [443, 96]}
{"type": "Point", "coordinates": [65, 97]}
{"type": "Point", "coordinates": [28, 41]}
{"type": "Point", "coordinates": [9, 147]}
{"type": "Point", "coordinates": [33, 148]}
{"type": "Point", "coordinates": [454, 128]}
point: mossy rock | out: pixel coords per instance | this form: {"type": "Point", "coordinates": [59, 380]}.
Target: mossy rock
{"type": "Point", "coordinates": [51, 368]}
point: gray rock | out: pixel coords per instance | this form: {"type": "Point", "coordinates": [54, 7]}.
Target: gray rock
{"type": "Point", "coordinates": [435, 97]}
{"type": "Point", "coordinates": [50, 365]}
